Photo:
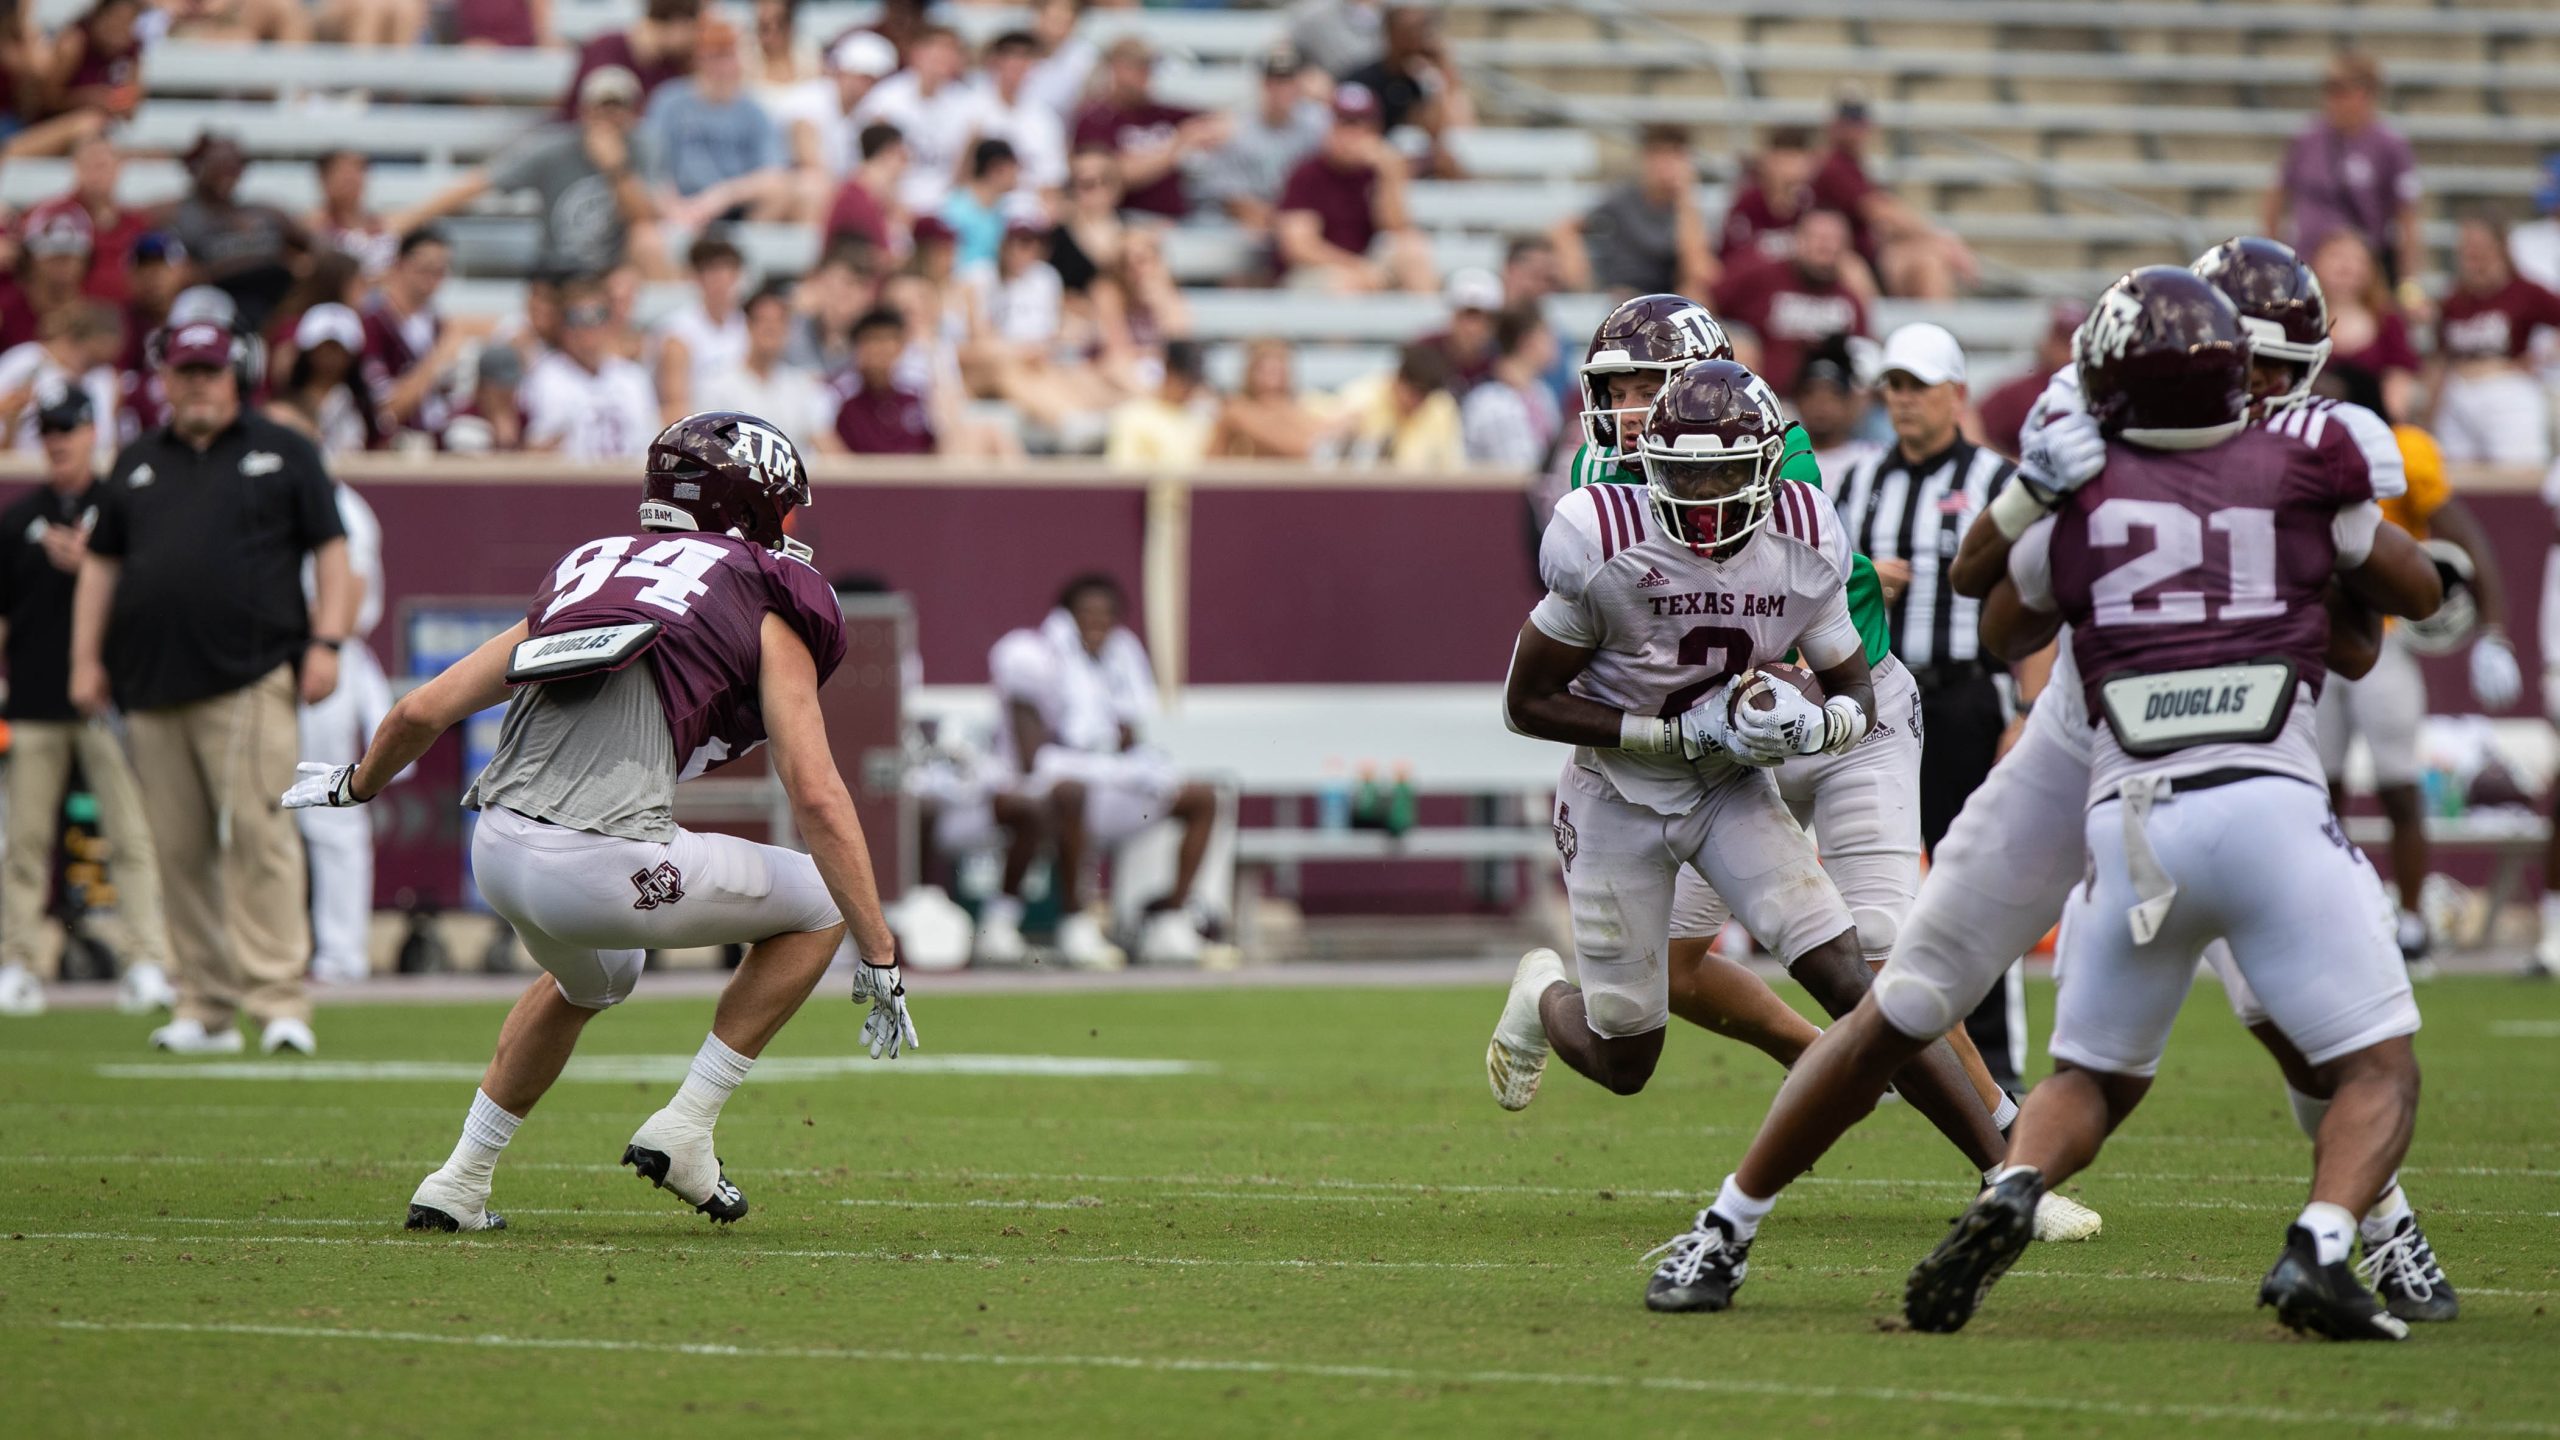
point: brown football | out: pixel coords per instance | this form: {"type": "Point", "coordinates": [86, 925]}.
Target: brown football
{"type": "Point", "coordinates": [1760, 698]}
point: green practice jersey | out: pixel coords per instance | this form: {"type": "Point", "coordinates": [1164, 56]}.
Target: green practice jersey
{"type": "Point", "coordinates": [1866, 593]}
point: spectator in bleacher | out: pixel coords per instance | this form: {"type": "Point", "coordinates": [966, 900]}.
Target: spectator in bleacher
{"type": "Point", "coordinates": [1405, 419]}
{"type": "Point", "coordinates": [877, 413]}
{"type": "Point", "coordinates": [658, 47]}
{"type": "Point", "coordinates": [816, 116]}
{"type": "Point", "coordinates": [332, 278]}
{"type": "Point", "coordinates": [2489, 405]}
{"type": "Point", "coordinates": [372, 22]}
{"type": "Point", "coordinates": [1647, 235]}
{"type": "Point", "coordinates": [594, 205]}
{"type": "Point", "coordinates": [1832, 403]}
{"type": "Point", "coordinates": [934, 109]}
{"type": "Point", "coordinates": [1417, 86]}
{"type": "Point", "coordinates": [1529, 270]}
{"type": "Point", "coordinates": [582, 401]}
{"type": "Point", "coordinates": [2001, 412]}
{"type": "Point", "coordinates": [1910, 255]}
{"type": "Point", "coordinates": [324, 395]}
{"type": "Point", "coordinates": [707, 334]}
{"type": "Point", "coordinates": [1470, 344]}
{"type": "Point", "coordinates": [112, 228]}
{"type": "Point", "coordinates": [53, 264]}
{"type": "Point", "coordinates": [1008, 110]}
{"type": "Point", "coordinates": [75, 351]}
{"type": "Point", "coordinates": [1759, 221]}
{"type": "Point", "coordinates": [511, 24]}
{"type": "Point", "coordinates": [780, 60]}
{"type": "Point", "coordinates": [1344, 224]}
{"type": "Point", "coordinates": [1063, 59]}
{"type": "Point", "coordinates": [2350, 170]}
{"type": "Point", "coordinates": [268, 22]}
{"type": "Point", "coordinates": [248, 251]}
{"type": "Point", "coordinates": [625, 336]}
{"type": "Point", "coordinates": [1020, 348]}
{"type": "Point", "coordinates": [866, 206]}
{"type": "Point", "coordinates": [154, 272]}
{"type": "Point", "coordinates": [2367, 332]}
{"type": "Point", "coordinates": [1265, 418]}
{"type": "Point", "coordinates": [975, 210]}
{"type": "Point", "coordinates": [713, 153]}
{"type": "Point", "coordinates": [1152, 139]}
{"type": "Point", "coordinates": [835, 293]}
{"type": "Point", "coordinates": [1087, 239]}
{"type": "Point", "coordinates": [342, 219]}
{"type": "Point", "coordinates": [762, 381]}
{"type": "Point", "coordinates": [1167, 428]}
{"type": "Point", "coordinates": [1019, 302]}
{"type": "Point", "coordinates": [94, 76]}
{"type": "Point", "coordinates": [904, 24]}
{"type": "Point", "coordinates": [1795, 303]}
{"type": "Point", "coordinates": [1244, 177]}
{"type": "Point", "coordinates": [1512, 419]}
{"type": "Point", "coordinates": [1338, 36]}
{"type": "Point", "coordinates": [489, 422]}
{"type": "Point", "coordinates": [408, 349]}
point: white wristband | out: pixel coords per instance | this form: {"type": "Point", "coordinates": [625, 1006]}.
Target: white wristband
{"type": "Point", "coordinates": [2016, 507]}
{"type": "Point", "coordinates": [1647, 734]}
{"type": "Point", "coordinates": [1844, 724]}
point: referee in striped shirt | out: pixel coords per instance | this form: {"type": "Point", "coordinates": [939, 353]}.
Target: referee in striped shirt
{"type": "Point", "coordinates": [1906, 509]}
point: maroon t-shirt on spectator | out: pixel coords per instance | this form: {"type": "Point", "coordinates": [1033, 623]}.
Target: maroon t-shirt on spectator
{"type": "Point", "coordinates": [1753, 228]}
{"type": "Point", "coordinates": [614, 48]}
{"type": "Point", "coordinates": [393, 347]}
{"type": "Point", "coordinates": [1340, 199]}
{"type": "Point", "coordinates": [887, 421]}
{"type": "Point", "coordinates": [1789, 313]}
{"type": "Point", "coordinates": [1842, 184]}
{"type": "Point", "coordinates": [17, 317]}
{"type": "Point", "coordinates": [2391, 349]}
{"type": "Point", "coordinates": [857, 212]}
{"type": "Point", "coordinates": [1138, 128]}
{"type": "Point", "coordinates": [110, 251]}
{"type": "Point", "coordinates": [2499, 326]}
{"type": "Point", "coordinates": [106, 68]}
{"type": "Point", "coordinates": [494, 22]}
{"type": "Point", "coordinates": [2004, 411]}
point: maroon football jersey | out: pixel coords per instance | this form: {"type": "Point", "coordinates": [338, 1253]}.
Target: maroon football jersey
{"type": "Point", "coordinates": [709, 595]}
{"type": "Point", "coordinates": [2178, 559]}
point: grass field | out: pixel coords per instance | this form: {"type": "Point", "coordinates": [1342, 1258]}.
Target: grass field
{"type": "Point", "coordinates": [1317, 1224]}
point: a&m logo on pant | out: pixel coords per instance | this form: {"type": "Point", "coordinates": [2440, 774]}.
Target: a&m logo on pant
{"type": "Point", "coordinates": [1567, 842]}
{"type": "Point", "coordinates": [663, 885]}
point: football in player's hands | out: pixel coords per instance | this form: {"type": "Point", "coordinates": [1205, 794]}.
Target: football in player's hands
{"type": "Point", "coordinates": [1754, 693]}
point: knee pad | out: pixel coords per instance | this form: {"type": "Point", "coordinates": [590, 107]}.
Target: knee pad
{"type": "Point", "coordinates": [1615, 1015]}
{"type": "Point", "coordinates": [1877, 930]}
{"type": "Point", "coordinates": [617, 975]}
{"type": "Point", "coordinates": [1914, 1006]}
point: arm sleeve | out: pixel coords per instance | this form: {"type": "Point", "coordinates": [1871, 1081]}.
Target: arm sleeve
{"type": "Point", "coordinates": [1566, 558]}
{"type": "Point", "coordinates": [1832, 637]}
{"type": "Point", "coordinates": [2031, 567]}
{"type": "Point", "coordinates": [1021, 668]}
{"type": "Point", "coordinates": [2352, 531]}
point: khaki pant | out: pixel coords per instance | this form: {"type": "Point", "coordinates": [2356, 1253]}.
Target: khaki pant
{"type": "Point", "coordinates": [40, 755]}
{"type": "Point", "coordinates": [239, 923]}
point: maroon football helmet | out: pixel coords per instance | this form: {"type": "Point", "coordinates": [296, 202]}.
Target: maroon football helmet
{"type": "Point", "coordinates": [1660, 333]}
{"type": "Point", "coordinates": [726, 473]}
{"type": "Point", "coordinates": [2164, 351]}
{"type": "Point", "coordinates": [1710, 448]}
{"type": "Point", "coordinates": [2280, 306]}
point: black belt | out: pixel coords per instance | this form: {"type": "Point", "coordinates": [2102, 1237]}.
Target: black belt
{"type": "Point", "coordinates": [2227, 775]}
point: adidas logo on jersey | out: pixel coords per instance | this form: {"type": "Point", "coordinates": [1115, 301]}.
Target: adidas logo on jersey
{"type": "Point", "coordinates": [1653, 579]}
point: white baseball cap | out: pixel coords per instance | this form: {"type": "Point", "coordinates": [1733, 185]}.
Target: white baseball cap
{"type": "Point", "coordinates": [1473, 289]}
{"type": "Point", "coordinates": [329, 321]}
{"type": "Point", "coordinates": [1926, 353]}
{"type": "Point", "coordinates": [864, 52]}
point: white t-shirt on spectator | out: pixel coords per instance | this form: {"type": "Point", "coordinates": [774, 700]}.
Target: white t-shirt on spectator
{"type": "Point", "coordinates": [1037, 135]}
{"type": "Point", "coordinates": [820, 103]}
{"type": "Point", "coordinates": [30, 365]}
{"type": "Point", "coordinates": [937, 131]}
{"type": "Point", "coordinates": [607, 414]}
{"type": "Point", "coordinates": [1057, 83]}
{"type": "Point", "coordinates": [709, 347]}
{"type": "Point", "coordinates": [795, 401]}
{"type": "Point", "coordinates": [1509, 426]}
{"type": "Point", "coordinates": [1025, 309]}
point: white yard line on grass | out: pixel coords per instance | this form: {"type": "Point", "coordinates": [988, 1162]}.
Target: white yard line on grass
{"type": "Point", "coordinates": [1386, 1374]}
{"type": "Point", "coordinates": [619, 1069]}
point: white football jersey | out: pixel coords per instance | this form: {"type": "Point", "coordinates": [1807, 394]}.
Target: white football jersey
{"type": "Point", "coordinates": [1669, 626]}
{"type": "Point", "coordinates": [605, 414]}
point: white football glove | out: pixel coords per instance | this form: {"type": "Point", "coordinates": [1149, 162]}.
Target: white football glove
{"type": "Point", "coordinates": [887, 1029]}
{"type": "Point", "coordinates": [1796, 726]}
{"type": "Point", "coordinates": [331, 785]}
{"type": "Point", "coordinates": [2496, 679]}
{"type": "Point", "coordinates": [2064, 454]}
{"type": "Point", "coordinates": [1705, 733]}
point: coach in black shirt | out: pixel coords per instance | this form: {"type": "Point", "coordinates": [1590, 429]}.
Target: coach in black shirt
{"type": "Point", "coordinates": [190, 617]}
{"type": "Point", "coordinates": [44, 537]}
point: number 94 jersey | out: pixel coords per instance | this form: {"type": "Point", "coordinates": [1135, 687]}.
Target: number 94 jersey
{"type": "Point", "coordinates": [1668, 626]}
{"type": "Point", "coordinates": [708, 595]}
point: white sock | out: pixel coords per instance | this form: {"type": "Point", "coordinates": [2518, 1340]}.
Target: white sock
{"type": "Point", "coordinates": [2386, 1214]}
{"type": "Point", "coordinates": [486, 1129]}
{"type": "Point", "coordinates": [716, 1071]}
{"type": "Point", "coordinates": [2007, 1114]}
{"type": "Point", "coordinates": [2308, 1112]}
{"type": "Point", "coordinates": [1741, 1211]}
{"type": "Point", "coordinates": [2332, 1229]}
{"type": "Point", "coordinates": [1998, 1173]}
{"type": "Point", "coordinates": [1001, 909]}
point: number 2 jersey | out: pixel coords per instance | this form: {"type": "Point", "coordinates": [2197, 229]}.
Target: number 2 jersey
{"type": "Point", "coordinates": [603, 751]}
{"type": "Point", "coordinates": [1669, 626]}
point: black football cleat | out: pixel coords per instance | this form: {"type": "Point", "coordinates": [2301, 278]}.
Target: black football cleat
{"type": "Point", "coordinates": [2316, 1299]}
{"type": "Point", "coordinates": [1700, 1270]}
{"type": "Point", "coordinates": [452, 1204]}
{"type": "Point", "coordinates": [1947, 1286]}
{"type": "Point", "coordinates": [2405, 1273]}
{"type": "Point", "coordinates": [723, 1203]}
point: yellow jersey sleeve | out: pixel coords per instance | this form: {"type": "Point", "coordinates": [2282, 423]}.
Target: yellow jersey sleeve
{"type": "Point", "coordinates": [2427, 488]}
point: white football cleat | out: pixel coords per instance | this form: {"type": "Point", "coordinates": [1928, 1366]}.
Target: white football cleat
{"type": "Point", "coordinates": [452, 1203]}
{"type": "Point", "coordinates": [144, 988]}
{"type": "Point", "coordinates": [2059, 1218]}
{"type": "Point", "coordinates": [1170, 939]}
{"type": "Point", "coordinates": [20, 992]}
{"type": "Point", "coordinates": [186, 1035]}
{"type": "Point", "coordinates": [288, 1034]}
{"type": "Point", "coordinates": [1082, 944]}
{"type": "Point", "coordinates": [674, 1153]}
{"type": "Point", "coordinates": [999, 940]}
{"type": "Point", "coordinates": [1517, 1055]}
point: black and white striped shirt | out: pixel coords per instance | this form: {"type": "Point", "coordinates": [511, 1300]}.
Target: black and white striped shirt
{"type": "Point", "coordinates": [1898, 509]}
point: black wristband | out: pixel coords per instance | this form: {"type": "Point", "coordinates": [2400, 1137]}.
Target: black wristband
{"type": "Point", "coordinates": [332, 646]}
